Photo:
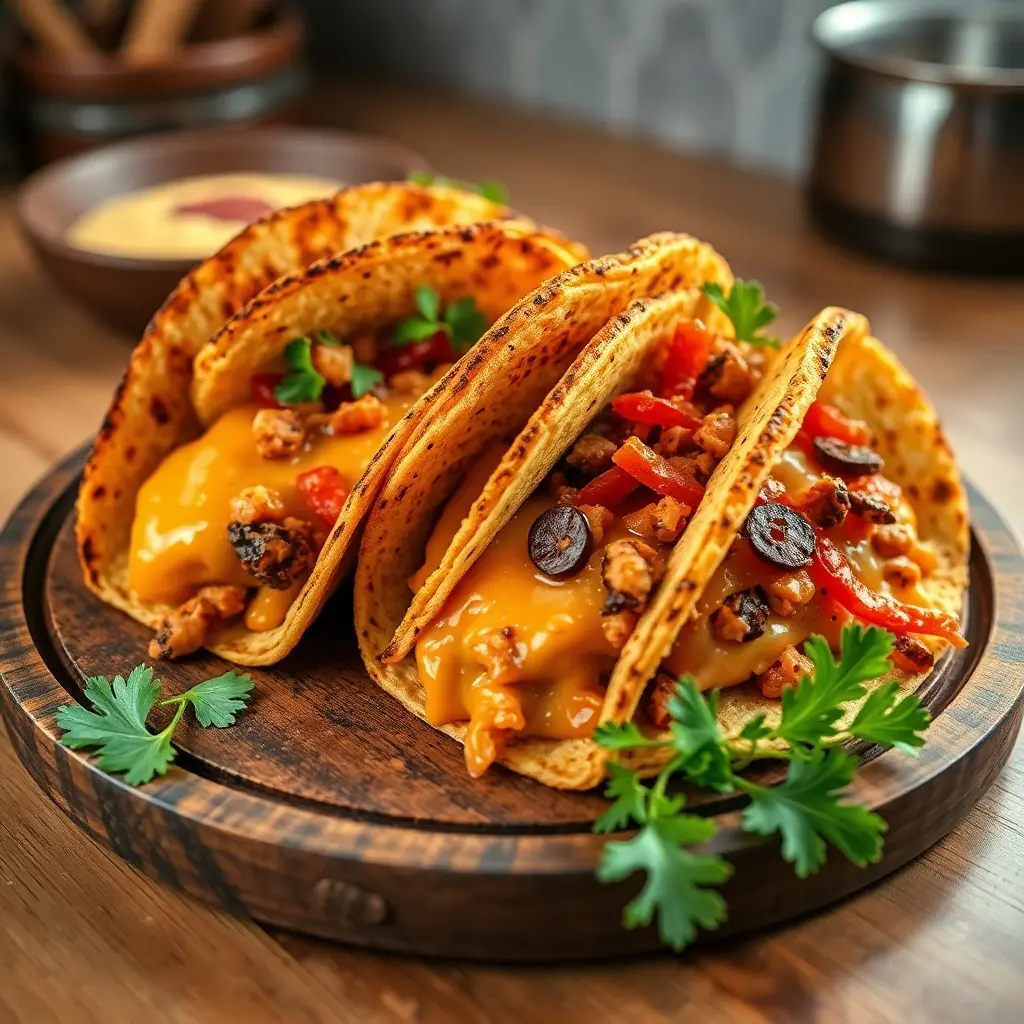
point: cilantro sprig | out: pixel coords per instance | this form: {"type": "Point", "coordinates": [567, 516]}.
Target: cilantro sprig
{"type": "Point", "coordinates": [462, 320]}
{"type": "Point", "coordinates": [116, 727]}
{"type": "Point", "coordinates": [495, 191]}
{"type": "Point", "coordinates": [808, 810]}
{"type": "Point", "coordinates": [746, 307]}
{"type": "Point", "coordinates": [304, 383]}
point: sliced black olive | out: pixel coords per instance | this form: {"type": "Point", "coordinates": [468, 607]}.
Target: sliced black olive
{"type": "Point", "coordinates": [560, 541]}
{"type": "Point", "coordinates": [846, 459]}
{"type": "Point", "coordinates": [871, 507]}
{"type": "Point", "coordinates": [781, 536]}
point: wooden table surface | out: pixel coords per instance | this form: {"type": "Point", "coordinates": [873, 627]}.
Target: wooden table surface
{"type": "Point", "coordinates": [85, 938]}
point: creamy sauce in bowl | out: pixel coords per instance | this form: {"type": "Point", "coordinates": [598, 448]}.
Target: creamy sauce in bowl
{"type": "Point", "coordinates": [189, 218]}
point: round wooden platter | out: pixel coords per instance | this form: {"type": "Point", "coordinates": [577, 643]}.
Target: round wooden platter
{"type": "Point", "coordinates": [327, 809]}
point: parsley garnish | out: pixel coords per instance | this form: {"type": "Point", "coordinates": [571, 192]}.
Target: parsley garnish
{"type": "Point", "coordinates": [462, 320]}
{"type": "Point", "coordinates": [807, 809]}
{"type": "Point", "coordinates": [495, 191]}
{"type": "Point", "coordinates": [116, 729]}
{"type": "Point", "coordinates": [747, 309]}
{"type": "Point", "coordinates": [302, 382]}
{"type": "Point", "coordinates": [364, 379]}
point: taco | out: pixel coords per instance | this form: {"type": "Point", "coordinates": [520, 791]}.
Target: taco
{"type": "Point", "coordinates": [520, 658]}
{"type": "Point", "coordinates": [232, 532]}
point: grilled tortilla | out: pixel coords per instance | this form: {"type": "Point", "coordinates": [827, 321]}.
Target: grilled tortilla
{"type": "Point", "coordinates": [159, 519]}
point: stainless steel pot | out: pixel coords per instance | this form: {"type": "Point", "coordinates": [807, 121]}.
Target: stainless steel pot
{"type": "Point", "coordinates": [919, 149]}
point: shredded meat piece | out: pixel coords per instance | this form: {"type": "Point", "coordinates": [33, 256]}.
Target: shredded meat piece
{"type": "Point", "coordinates": [786, 670]}
{"type": "Point", "coordinates": [657, 700]}
{"type": "Point", "coordinates": [901, 572]}
{"type": "Point", "coordinates": [675, 440]}
{"type": "Point", "coordinates": [618, 628]}
{"type": "Point", "coordinates": [717, 431]}
{"type": "Point", "coordinates": [727, 375]}
{"type": "Point", "coordinates": [628, 575]}
{"type": "Point", "coordinates": [790, 592]}
{"type": "Point", "coordinates": [892, 540]}
{"type": "Point", "coordinates": [277, 432]}
{"type": "Point", "coordinates": [592, 454]}
{"type": "Point", "coordinates": [741, 617]}
{"type": "Point", "coordinates": [911, 655]}
{"type": "Point", "coordinates": [366, 413]}
{"type": "Point", "coordinates": [600, 518]}
{"type": "Point", "coordinates": [499, 654]}
{"type": "Point", "coordinates": [871, 507]}
{"type": "Point", "coordinates": [410, 382]}
{"type": "Point", "coordinates": [277, 554]}
{"type": "Point", "coordinates": [662, 521]}
{"type": "Point", "coordinates": [365, 349]}
{"type": "Point", "coordinates": [257, 504]}
{"type": "Point", "coordinates": [334, 363]}
{"type": "Point", "coordinates": [704, 465]}
{"type": "Point", "coordinates": [185, 629]}
{"type": "Point", "coordinates": [825, 503]}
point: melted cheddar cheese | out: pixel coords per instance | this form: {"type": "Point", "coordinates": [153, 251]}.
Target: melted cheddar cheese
{"type": "Point", "coordinates": [179, 539]}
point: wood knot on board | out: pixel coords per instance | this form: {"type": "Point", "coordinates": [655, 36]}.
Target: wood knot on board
{"type": "Point", "coordinates": [349, 903]}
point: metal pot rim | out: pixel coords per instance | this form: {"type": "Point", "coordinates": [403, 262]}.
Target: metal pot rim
{"type": "Point", "coordinates": [836, 28]}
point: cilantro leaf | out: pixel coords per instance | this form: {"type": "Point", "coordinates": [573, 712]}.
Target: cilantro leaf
{"type": "Point", "coordinates": [216, 701]}
{"type": "Point", "coordinates": [891, 722]}
{"type": "Point", "coordinates": [805, 810]}
{"type": "Point", "coordinates": [415, 328]}
{"type": "Point", "coordinates": [364, 379]}
{"type": "Point", "coordinates": [467, 322]}
{"type": "Point", "coordinates": [811, 709]}
{"type": "Point", "coordinates": [674, 889]}
{"type": "Point", "coordinates": [624, 736]}
{"type": "Point", "coordinates": [745, 306]}
{"type": "Point", "coordinates": [495, 191]}
{"type": "Point", "coordinates": [428, 302]}
{"type": "Point", "coordinates": [302, 382]}
{"type": "Point", "coordinates": [117, 728]}
{"type": "Point", "coordinates": [629, 796]}
{"type": "Point", "coordinates": [697, 737]}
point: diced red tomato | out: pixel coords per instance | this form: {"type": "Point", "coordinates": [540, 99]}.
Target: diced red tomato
{"type": "Point", "coordinates": [643, 407]}
{"type": "Point", "coordinates": [429, 352]}
{"type": "Point", "coordinates": [687, 355]}
{"type": "Point", "coordinates": [656, 472]}
{"type": "Point", "coordinates": [878, 485]}
{"type": "Point", "coordinates": [262, 386]}
{"type": "Point", "coordinates": [609, 489]}
{"type": "Point", "coordinates": [824, 420]}
{"type": "Point", "coordinates": [830, 569]}
{"type": "Point", "coordinates": [324, 492]}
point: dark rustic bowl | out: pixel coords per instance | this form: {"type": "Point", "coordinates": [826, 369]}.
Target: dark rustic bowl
{"type": "Point", "coordinates": [125, 292]}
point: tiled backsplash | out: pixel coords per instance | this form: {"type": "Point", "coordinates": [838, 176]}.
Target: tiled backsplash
{"type": "Point", "coordinates": [734, 77]}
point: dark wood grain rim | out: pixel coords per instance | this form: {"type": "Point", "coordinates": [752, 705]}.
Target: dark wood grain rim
{"type": "Point", "coordinates": [457, 893]}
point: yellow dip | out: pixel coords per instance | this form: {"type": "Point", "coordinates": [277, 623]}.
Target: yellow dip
{"type": "Point", "coordinates": [190, 218]}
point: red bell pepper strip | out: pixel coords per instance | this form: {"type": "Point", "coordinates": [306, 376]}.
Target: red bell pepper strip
{"type": "Point", "coordinates": [831, 570]}
{"type": "Point", "coordinates": [324, 492]}
{"type": "Point", "coordinates": [824, 420]}
{"type": "Point", "coordinates": [429, 352]}
{"type": "Point", "coordinates": [656, 472]}
{"type": "Point", "coordinates": [609, 489]}
{"type": "Point", "coordinates": [687, 355]}
{"type": "Point", "coordinates": [262, 386]}
{"type": "Point", "coordinates": [643, 407]}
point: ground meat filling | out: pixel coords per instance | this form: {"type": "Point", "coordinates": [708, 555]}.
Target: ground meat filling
{"type": "Point", "coordinates": [871, 508]}
{"type": "Point", "coordinates": [789, 593]}
{"type": "Point", "coordinates": [717, 432]}
{"type": "Point", "coordinates": [278, 433]}
{"type": "Point", "coordinates": [592, 454]}
{"type": "Point", "coordinates": [333, 363]}
{"type": "Point", "coordinates": [185, 629]}
{"type": "Point", "coordinates": [825, 503]}
{"type": "Point", "coordinates": [366, 413]}
{"type": "Point", "coordinates": [728, 377]}
{"type": "Point", "coordinates": [277, 554]}
{"type": "Point", "coordinates": [912, 655]}
{"type": "Point", "coordinates": [786, 670]}
{"type": "Point", "coordinates": [657, 700]}
{"type": "Point", "coordinates": [629, 571]}
{"type": "Point", "coordinates": [742, 617]}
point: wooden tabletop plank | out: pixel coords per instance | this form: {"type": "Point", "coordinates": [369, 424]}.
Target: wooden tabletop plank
{"type": "Point", "coordinates": [84, 938]}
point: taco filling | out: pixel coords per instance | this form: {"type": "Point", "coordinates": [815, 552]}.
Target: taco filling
{"type": "Point", "coordinates": [231, 524]}
{"type": "Point", "coordinates": [529, 636]}
{"type": "Point", "coordinates": [829, 539]}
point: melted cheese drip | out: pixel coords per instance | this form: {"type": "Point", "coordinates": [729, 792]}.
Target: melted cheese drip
{"type": "Point", "coordinates": [553, 690]}
{"type": "Point", "coordinates": [179, 539]}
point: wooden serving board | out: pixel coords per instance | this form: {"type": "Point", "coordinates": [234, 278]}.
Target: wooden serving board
{"type": "Point", "coordinates": [328, 809]}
